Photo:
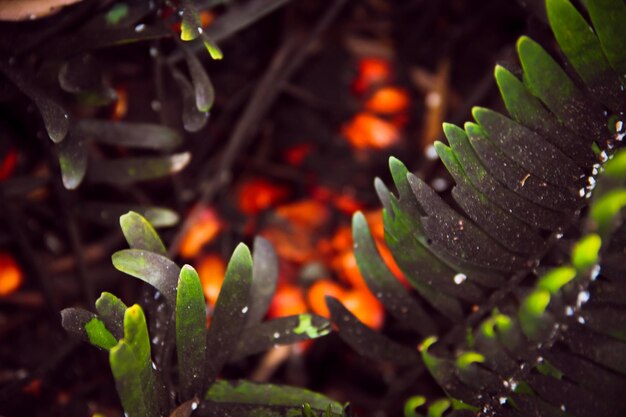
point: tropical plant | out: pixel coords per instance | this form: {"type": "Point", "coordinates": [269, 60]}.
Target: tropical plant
{"type": "Point", "coordinates": [142, 360]}
{"type": "Point", "coordinates": [509, 324]}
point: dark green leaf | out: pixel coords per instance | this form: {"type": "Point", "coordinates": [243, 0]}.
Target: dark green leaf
{"type": "Point", "coordinates": [230, 311]}
{"type": "Point", "coordinates": [383, 284]}
{"type": "Point", "coordinates": [193, 119]}
{"type": "Point", "coordinates": [204, 91]}
{"type": "Point", "coordinates": [55, 117]}
{"type": "Point", "coordinates": [521, 180]}
{"type": "Point", "coordinates": [608, 17]}
{"type": "Point", "coordinates": [528, 110]}
{"type": "Point", "coordinates": [82, 75]}
{"type": "Point", "coordinates": [132, 135]}
{"type": "Point", "coordinates": [87, 326]}
{"type": "Point", "coordinates": [140, 234]}
{"type": "Point", "coordinates": [281, 331]}
{"type": "Point", "coordinates": [126, 171]}
{"type": "Point", "coordinates": [530, 150]}
{"type": "Point", "coordinates": [508, 230]}
{"type": "Point", "coordinates": [582, 48]}
{"type": "Point", "coordinates": [244, 392]}
{"type": "Point", "coordinates": [156, 270]}
{"type": "Point", "coordinates": [264, 280]}
{"type": "Point", "coordinates": [73, 160]}
{"type": "Point", "coordinates": [547, 80]}
{"type": "Point", "coordinates": [508, 200]}
{"type": "Point", "coordinates": [458, 236]}
{"type": "Point", "coordinates": [111, 309]}
{"type": "Point", "coordinates": [191, 332]}
{"type": "Point", "coordinates": [366, 341]}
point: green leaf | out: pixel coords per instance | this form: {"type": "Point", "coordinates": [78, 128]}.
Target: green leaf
{"type": "Point", "coordinates": [190, 332]}
{"type": "Point", "coordinates": [468, 358]}
{"type": "Point", "coordinates": [244, 392]}
{"type": "Point", "coordinates": [549, 82]}
{"type": "Point", "coordinates": [128, 380]}
{"type": "Point", "coordinates": [608, 17]}
{"type": "Point", "coordinates": [125, 171]}
{"type": "Point", "coordinates": [411, 404]}
{"type": "Point", "coordinates": [281, 331]}
{"type": "Point", "coordinates": [532, 313]}
{"type": "Point", "coordinates": [140, 234]}
{"type": "Point", "coordinates": [99, 335]}
{"type": "Point", "coordinates": [214, 50]}
{"type": "Point", "coordinates": [73, 160]}
{"type": "Point", "coordinates": [607, 207]}
{"type": "Point", "coordinates": [230, 311]}
{"type": "Point", "coordinates": [191, 26]}
{"type": "Point", "coordinates": [88, 327]}
{"type": "Point", "coordinates": [156, 270]}
{"type": "Point", "coordinates": [111, 309]}
{"type": "Point", "coordinates": [366, 341]}
{"type": "Point", "coordinates": [383, 284]}
{"type": "Point", "coordinates": [264, 280]}
{"type": "Point", "coordinates": [132, 135]}
{"type": "Point", "coordinates": [554, 279]}
{"type": "Point", "coordinates": [585, 252]}
{"type": "Point", "coordinates": [138, 341]}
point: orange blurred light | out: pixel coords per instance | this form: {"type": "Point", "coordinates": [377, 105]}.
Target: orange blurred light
{"type": "Point", "coordinates": [288, 301]}
{"type": "Point", "coordinates": [365, 131]}
{"type": "Point", "coordinates": [33, 387]}
{"type": "Point", "coordinates": [8, 164]}
{"type": "Point", "coordinates": [365, 307]}
{"type": "Point", "coordinates": [121, 105]}
{"type": "Point", "coordinates": [258, 194]}
{"type": "Point", "coordinates": [308, 213]}
{"type": "Point", "coordinates": [347, 269]}
{"type": "Point", "coordinates": [388, 100]}
{"type": "Point", "coordinates": [202, 230]}
{"type": "Point", "coordinates": [211, 270]}
{"type": "Point", "coordinates": [371, 71]}
{"type": "Point", "coordinates": [10, 275]}
{"type": "Point", "coordinates": [317, 293]}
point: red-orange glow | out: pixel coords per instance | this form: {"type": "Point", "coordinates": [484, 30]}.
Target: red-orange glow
{"type": "Point", "coordinates": [347, 269]}
{"type": "Point", "coordinates": [316, 296]}
{"type": "Point", "coordinates": [10, 275]}
{"type": "Point", "coordinates": [308, 213]}
{"type": "Point", "coordinates": [256, 195]}
{"type": "Point", "coordinates": [385, 253]}
{"type": "Point", "coordinates": [365, 131]}
{"type": "Point", "coordinates": [371, 71]}
{"type": "Point", "coordinates": [375, 221]}
{"type": "Point", "coordinates": [211, 270]}
{"type": "Point", "coordinates": [203, 229]}
{"type": "Point", "coordinates": [295, 155]}
{"type": "Point", "coordinates": [388, 100]}
{"type": "Point", "coordinates": [342, 239]}
{"type": "Point", "coordinates": [365, 307]}
{"type": "Point", "coordinates": [288, 301]}
{"type": "Point", "coordinates": [8, 164]}
{"type": "Point", "coordinates": [120, 107]}
{"type": "Point", "coordinates": [347, 204]}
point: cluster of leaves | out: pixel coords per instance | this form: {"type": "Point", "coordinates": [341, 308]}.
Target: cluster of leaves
{"type": "Point", "coordinates": [59, 66]}
{"type": "Point", "coordinates": [532, 334]}
{"type": "Point", "coordinates": [141, 362]}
